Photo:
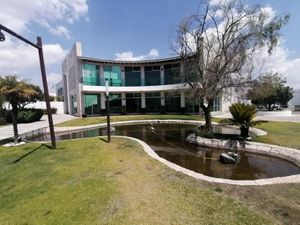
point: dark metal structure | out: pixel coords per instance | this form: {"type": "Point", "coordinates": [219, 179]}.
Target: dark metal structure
{"type": "Point", "coordinates": [107, 111]}
{"type": "Point", "coordinates": [38, 46]}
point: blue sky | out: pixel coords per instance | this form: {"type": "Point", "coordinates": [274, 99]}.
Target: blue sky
{"type": "Point", "coordinates": [131, 29]}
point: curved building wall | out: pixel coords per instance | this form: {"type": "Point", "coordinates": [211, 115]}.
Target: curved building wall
{"type": "Point", "coordinates": [149, 86]}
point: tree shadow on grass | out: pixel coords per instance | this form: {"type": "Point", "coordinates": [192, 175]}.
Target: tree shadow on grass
{"type": "Point", "coordinates": [32, 151]}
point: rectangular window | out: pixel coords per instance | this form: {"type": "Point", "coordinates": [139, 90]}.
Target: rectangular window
{"type": "Point", "coordinates": [152, 75]}
{"type": "Point", "coordinates": [192, 106]}
{"type": "Point", "coordinates": [133, 102]}
{"type": "Point", "coordinates": [172, 73]}
{"type": "Point", "coordinates": [90, 74]}
{"type": "Point", "coordinates": [132, 76]}
{"type": "Point", "coordinates": [217, 104]}
{"type": "Point", "coordinates": [92, 104]}
{"type": "Point", "coordinates": [113, 75]}
{"type": "Point", "coordinates": [172, 102]}
{"type": "Point", "coordinates": [153, 102]}
{"type": "Point", "coordinates": [115, 103]}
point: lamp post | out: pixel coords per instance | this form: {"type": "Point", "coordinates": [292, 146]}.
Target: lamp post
{"type": "Point", "coordinates": [107, 110]}
{"type": "Point", "coordinates": [38, 46]}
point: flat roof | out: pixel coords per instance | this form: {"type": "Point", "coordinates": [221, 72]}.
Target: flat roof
{"type": "Point", "coordinates": [109, 61]}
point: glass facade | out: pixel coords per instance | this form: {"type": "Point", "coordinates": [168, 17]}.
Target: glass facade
{"type": "Point", "coordinates": [172, 102]}
{"type": "Point", "coordinates": [92, 104]}
{"type": "Point", "coordinates": [192, 106]}
{"type": "Point", "coordinates": [113, 75]}
{"type": "Point", "coordinates": [152, 75]}
{"type": "Point", "coordinates": [132, 76]}
{"type": "Point", "coordinates": [115, 103]}
{"type": "Point", "coordinates": [172, 73]}
{"type": "Point", "coordinates": [90, 74]}
{"type": "Point", "coordinates": [133, 102]}
{"type": "Point", "coordinates": [217, 104]}
{"type": "Point", "coordinates": [153, 102]}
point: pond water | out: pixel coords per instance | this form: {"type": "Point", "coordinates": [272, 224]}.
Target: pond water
{"type": "Point", "coordinates": [168, 141]}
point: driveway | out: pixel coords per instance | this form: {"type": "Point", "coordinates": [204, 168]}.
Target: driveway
{"type": "Point", "coordinates": [7, 130]}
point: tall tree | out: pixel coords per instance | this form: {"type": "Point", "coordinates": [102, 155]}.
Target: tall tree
{"type": "Point", "coordinates": [269, 89]}
{"type": "Point", "coordinates": [217, 44]}
{"type": "Point", "coordinates": [14, 92]}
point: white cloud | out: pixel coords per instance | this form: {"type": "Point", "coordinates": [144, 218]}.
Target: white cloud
{"type": "Point", "coordinates": [129, 56]}
{"type": "Point", "coordinates": [18, 15]}
{"type": "Point", "coordinates": [280, 61]}
{"type": "Point", "coordinates": [16, 56]}
{"type": "Point", "coordinates": [53, 79]}
{"type": "Point", "coordinates": [60, 30]}
{"type": "Point", "coordinates": [218, 2]}
{"type": "Point", "coordinates": [21, 16]}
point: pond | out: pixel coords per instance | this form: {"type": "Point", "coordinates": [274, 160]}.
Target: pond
{"type": "Point", "coordinates": [168, 141]}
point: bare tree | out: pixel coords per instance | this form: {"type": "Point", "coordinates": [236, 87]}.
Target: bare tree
{"type": "Point", "coordinates": [217, 44]}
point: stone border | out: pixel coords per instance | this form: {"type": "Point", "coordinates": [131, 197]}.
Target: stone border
{"type": "Point", "coordinates": [255, 131]}
{"type": "Point", "coordinates": [278, 151]}
{"type": "Point", "coordinates": [267, 181]}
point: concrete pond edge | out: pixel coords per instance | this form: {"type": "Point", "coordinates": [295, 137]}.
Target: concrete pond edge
{"type": "Point", "coordinates": [267, 181]}
{"type": "Point", "coordinates": [289, 154]}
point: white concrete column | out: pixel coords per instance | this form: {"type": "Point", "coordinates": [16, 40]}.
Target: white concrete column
{"type": "Point", "coordinates": [143, 95]}
{"type": "Point", "coordinates": [103, 99]}
{"type": "Point", "coordinates": [162, 75]}
{"type": "Point", "coordinates": [123, 75]}
{"type": "Point", "coordinates": [101, 71]}
{"type": "Point", "coordinates": [123, 97]}
{"type": "Point", "coordinates": [142, 76]}
{"type": "Point", "coordinates": [182, 99]}
{"type": "Point", "coordinates": [162, 98]}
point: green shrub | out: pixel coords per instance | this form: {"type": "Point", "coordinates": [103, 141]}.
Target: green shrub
{"type": "Point", "coordinates": [243, 115]}
{"type": "Point", "coordinates": [26, 115]}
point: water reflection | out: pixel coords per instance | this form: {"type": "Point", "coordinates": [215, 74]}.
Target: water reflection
{"type": "Point", "coordinates": [168, 140]}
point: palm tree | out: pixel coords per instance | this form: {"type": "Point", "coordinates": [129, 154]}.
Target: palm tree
{"type": "Point", "coordinates": [243, 116]}
{"type": "Point", "coordinates": [14, 92]}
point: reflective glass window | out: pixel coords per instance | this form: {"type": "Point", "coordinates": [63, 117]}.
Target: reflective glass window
{"type": "Point", "coordinates": [92, 104]}
{"type": "Point", "coordinates": [172, 73]}
{"type": "Point", "coordinates": [132, 76]}
{"type": "Point", "coordinates": [113, 75]}
{"type": "Point", "coordinates": [90, 74]}
{"type": "Point", "coordinates": [152, 75]}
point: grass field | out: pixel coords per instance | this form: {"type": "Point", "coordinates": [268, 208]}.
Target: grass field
{"type": "Point", "coordinates": [102, 119]}
{"type": "Point", "coordinates": [281, 133]}
{"type": "Point", "coordinates": [91, 182]}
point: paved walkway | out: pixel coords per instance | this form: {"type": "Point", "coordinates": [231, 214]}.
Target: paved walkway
{"type": "Point", "coordinates": [7, 130]}
{"type": "Point", "coordinates": [294, 118]}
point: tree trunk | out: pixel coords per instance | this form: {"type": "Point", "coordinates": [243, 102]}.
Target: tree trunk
{"type": "Point", "coordinates": [15, 125]}
{"type": "Point", "coordinates": [244, 132]}
{"type": "Point", "coordinates": [207, 116]}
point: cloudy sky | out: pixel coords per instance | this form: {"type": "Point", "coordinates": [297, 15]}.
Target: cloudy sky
{"type": "Point", "coordinates": [114, 29]}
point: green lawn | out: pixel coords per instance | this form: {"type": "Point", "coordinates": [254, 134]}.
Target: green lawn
{"type": "Point", "coordinates": [102, 119]}
{"type": "Point", "coordinates": [92, 182]}
{"type": "Point", "coordinates": [281, 133]}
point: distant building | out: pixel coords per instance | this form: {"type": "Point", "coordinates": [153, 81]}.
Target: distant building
{"type": "Point", "coordinates": [148, 86]}
{"type": "Point", "coordinates": [294, 103]}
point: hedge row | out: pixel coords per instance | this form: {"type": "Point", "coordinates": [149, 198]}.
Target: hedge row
{"type": "Point", "coordinates": [26, 116]}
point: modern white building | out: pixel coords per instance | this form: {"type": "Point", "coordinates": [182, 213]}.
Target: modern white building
{"type": "Point", "coordinates": [148, 86]}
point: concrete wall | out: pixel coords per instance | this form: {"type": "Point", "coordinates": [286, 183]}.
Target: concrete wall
{"type": "Point", "coordinates": [42, 105]}
{"type": "Point", "coordinates": [71, 71]}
